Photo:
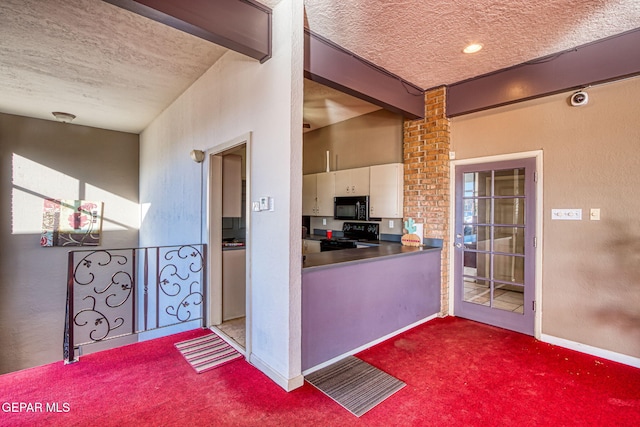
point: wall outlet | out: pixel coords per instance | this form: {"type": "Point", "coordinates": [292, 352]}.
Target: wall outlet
{"type": "Point", "coordinates": [324, 221]}
{"type": "Point", "coordinates": [391, 224]}
{"type": "Point", "coordinates": [567, 214]}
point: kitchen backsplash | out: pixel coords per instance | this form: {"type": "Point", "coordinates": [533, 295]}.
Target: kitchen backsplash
{"type": "Point", "coordinates": [334, 224]}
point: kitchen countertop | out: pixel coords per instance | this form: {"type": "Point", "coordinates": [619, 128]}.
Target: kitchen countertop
{"type": "Point", "coordinates": [314, 237]}
{"type": "Point", "coordinates": [233, 248]}
{"type": "Point", "coordinates": [384, 249]}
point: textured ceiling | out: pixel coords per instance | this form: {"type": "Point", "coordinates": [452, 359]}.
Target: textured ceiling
{"type": "Point", "coordinates": [117, 70]}
{"type": "Point", "coordinates": [422, 40]}
{"type": "Point", "coordinates": [111, 68]}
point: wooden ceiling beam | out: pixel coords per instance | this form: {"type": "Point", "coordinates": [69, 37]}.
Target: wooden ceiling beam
{"type": "Point", "coordinates": [331, 65]}
{"type": "Point", "coordinates": [240, 25]}
{"type": "Point", "coordinates": [609, 59]}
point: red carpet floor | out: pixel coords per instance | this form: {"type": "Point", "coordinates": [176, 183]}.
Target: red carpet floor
{"type": "Point", "coordinates": [458, 373]}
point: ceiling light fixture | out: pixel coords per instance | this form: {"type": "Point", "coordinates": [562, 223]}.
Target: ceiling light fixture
{"type": "Point", "coordinates": [472, 48]}
{"type": "Point", "coordinates": [63, 117]}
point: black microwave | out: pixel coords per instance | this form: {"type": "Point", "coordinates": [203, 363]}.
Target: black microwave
{"type": "Point", "coordinates": [351, 208]}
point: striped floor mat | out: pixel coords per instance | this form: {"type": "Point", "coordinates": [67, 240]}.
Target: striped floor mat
{"type": "Point", "coordinates": [208, 352]}
{"type": "Point", "coordinates": [354, 384]}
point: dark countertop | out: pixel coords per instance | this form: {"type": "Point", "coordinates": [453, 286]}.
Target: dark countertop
{"type": "Point", "coordinates": [314, 237]}
{"type": "Point", "coordinates": [233, 248]}
{"type": "Point", "coordinates": [385, 249]}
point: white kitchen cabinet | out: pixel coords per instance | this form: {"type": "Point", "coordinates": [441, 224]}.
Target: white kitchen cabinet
{"type": "Point", "coordinates": [352, 182]}
{"type": "Point", "coordinates": [232, 186]}
{"type": "Point", "coordinates": [310, 246]}
{"type": "Point", "coordinates": [309, 194]}
{"type": "Point", "coordinates": [317, 194]}
{"type": "Point", "coordinates": [386, 191]}
{"type": "Point", "coordinates": [325, 191]}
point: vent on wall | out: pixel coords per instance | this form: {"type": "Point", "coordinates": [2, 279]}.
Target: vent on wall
{"type": "Point", "coordinates": [63, 117]}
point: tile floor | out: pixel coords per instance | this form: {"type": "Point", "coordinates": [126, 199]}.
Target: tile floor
{"type": "Point", "coordinates": [503, 298]}
{"type": "Point", "coordinates": [235, 329]}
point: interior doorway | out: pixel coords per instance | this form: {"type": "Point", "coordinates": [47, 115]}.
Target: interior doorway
{"type": "Point", "coordinates": [228, 220]}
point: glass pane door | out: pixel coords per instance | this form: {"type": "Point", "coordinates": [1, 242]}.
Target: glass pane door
{"type": "Point", "coordinates": [492, 220]}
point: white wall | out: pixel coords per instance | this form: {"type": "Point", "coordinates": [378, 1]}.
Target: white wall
{"type": "Point", "coordinates": [236, 96]}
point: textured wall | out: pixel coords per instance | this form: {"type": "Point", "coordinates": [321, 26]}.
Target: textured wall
{"type": "Point", "coordinates": [237, 96]}
{"type": "Point", "coordinates": [42, 158]}
{"type": "Point", "coordinates": [590, 291]}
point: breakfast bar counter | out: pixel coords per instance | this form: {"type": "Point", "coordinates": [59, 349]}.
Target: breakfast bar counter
{"type": "Point", "coordinates": [370, 253]}
{"type": "Point", "coordinates": [354, 298]}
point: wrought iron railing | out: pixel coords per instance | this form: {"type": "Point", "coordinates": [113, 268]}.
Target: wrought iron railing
{"type": "Point", "coordinates": [112, 293]}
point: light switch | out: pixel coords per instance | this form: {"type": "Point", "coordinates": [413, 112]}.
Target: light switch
{"type": "Point", "coordinates": [594, 215]}
{"type": "Point", "coordinates": [264, 203]}
{"type": "Point", "coordinates": [567, 214]}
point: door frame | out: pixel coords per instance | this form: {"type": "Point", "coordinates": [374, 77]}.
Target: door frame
{"type": "Point", "coordinates": [538, 155]}
{"type": "Point", "coordinates": [213, 232]}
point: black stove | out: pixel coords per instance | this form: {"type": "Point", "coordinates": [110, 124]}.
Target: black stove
{"type": "Point", "coordinates": [353, 232]}
{"type": "Point", "coordinates": [336, 244]}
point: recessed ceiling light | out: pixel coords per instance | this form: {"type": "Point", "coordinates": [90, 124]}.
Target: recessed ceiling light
{"type": "Point", "coordinates": [472, 48]}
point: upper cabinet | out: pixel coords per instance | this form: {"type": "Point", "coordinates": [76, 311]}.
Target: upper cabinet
{"type": "Point", "coordinates": [352, 182]}
{"type": "Point", "coordinates": [386, 191]}
{"type": "Point", "coordinates": [325, 190]}
{"type": "Point", "coordinates": [317, 194]}
{"type": "Point", "coordinates": [384, 184]}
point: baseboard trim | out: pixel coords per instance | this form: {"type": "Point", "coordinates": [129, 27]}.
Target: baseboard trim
{"type": "Point", "coordinates": [288, 384]}
{"type": "Point", "coordinates": [593, 351]}
{"type": "Point", "coordinates": [367, 345]}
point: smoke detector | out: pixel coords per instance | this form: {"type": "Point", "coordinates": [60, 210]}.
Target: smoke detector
{"type": "Point", "coordinates": [63, 117]}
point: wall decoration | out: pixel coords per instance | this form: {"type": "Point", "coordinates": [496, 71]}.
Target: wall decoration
{"type": "Point", "coordinates": [414, 233]}
{"type": "Point", "coordinates": [71, 223]}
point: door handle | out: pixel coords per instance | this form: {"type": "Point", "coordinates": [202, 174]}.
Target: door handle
{"type": "Point", "coordinates": [459, 245]}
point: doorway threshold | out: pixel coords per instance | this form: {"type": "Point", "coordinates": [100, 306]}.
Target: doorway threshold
{"type": "Point", "coordinates": [233, 332]}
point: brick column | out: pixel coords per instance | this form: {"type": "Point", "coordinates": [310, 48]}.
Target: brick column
{"type": "Point", "coordinates": [426, 177]}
